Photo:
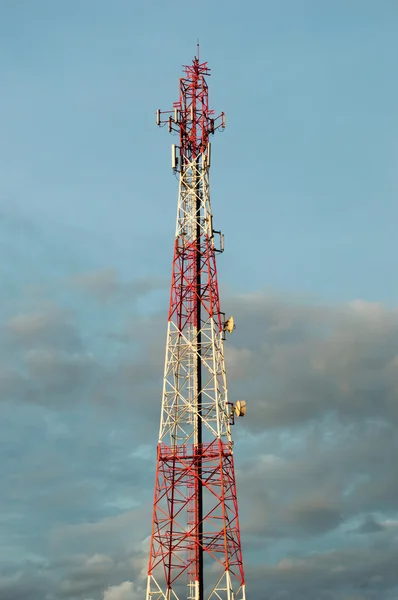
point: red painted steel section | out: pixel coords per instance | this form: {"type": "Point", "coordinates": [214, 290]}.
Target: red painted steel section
{"type": "Point", "coordinates": [184, 291]}
{"type": "Point", "coordinates": [173, 540]}
{"type": "Point", "coordinates": [194, 122]}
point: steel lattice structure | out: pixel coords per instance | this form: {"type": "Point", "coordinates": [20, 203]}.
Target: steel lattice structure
{"type": "Point", "coordinates": [195, 544]}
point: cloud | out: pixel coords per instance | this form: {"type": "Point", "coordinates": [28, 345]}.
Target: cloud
{"type": "Point", "coordinates": [99, 576]}
{"type": "Point", "coordinates": [122, 532]}
{"type": "Point", "coordinates": [369, 525]}
{"type": "Point", "coordinates": [105, 285]}
{"type": "Point", "coordinates": [337, 574]}
{"type": "Point", "coordinates": [102, 284]}
{"type": "Point", "coordinates": [59, 372]}
{"type": "Point", "coordinates": [24, 583]}
{"type": "Point", "coordinates": [44, 358]}
{"type": "Point", "coordinates": [124, 591]}
{"type": "Point", "coordinates": [88, 577]}
{"type": "Point", "coordinates": [309, 362]}
{"type": "Point", "coordinates": [314, 455]}
{"type": "Point", "coordinates": [28, 325]}
{"type": "Point", "coordinates": [47, 377]}
{"type": "Point", "coordinates": [76, 577]}
{"type": "Point", "coordinates": [47, 326]}
{"type": "Point", "coordinates": [327, 477]}
{"type": "Point", "coordinates": [12, 383]}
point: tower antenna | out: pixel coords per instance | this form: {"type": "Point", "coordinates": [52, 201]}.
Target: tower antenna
{"type": "Point", "coordinates": [195, 538]}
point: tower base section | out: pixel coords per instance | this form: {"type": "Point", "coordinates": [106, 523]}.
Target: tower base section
{"type": "Point", "coordinates": [181, 541]}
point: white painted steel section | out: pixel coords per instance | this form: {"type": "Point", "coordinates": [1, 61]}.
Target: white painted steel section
{"type": "Point", "coordinates": [179, 403]}
{"type": "Point", "coordinates": [223, 590]}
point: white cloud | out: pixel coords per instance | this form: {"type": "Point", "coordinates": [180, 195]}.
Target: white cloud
{"type": "Point", "coordinates": [124, 591]}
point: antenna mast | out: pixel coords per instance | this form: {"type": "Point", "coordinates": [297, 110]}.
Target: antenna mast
{"type": "Point", "coordinates": [195, 531]}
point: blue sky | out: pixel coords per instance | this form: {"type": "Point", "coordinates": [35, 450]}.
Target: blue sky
{"type": "Point", "coordinates": [310, 98]}
{"type": "Point", "coordinates": [304, 187]}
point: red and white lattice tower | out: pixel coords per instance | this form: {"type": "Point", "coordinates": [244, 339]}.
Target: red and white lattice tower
{"type": "Point", "coordinates": [195, 549]}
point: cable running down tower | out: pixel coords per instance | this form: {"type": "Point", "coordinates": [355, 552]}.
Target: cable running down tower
{"type": "Point", "coordinates": [195, 550]}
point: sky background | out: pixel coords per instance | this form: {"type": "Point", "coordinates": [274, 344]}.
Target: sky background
{"type": "Point", "coordinates": [304, 187]}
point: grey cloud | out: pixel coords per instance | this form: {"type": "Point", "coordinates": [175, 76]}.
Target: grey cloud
{"type": "Point", "coordinates": [45, 326]}
{"type": "Point", "coordinates": [307, 362]}
{"type": "Point", "coordinates": [312, 518]}
{"type": "Point", "coordinates": [47, 377]}
{"type": "Point", "coordinates": [105, 285]}
{"type": "Point", "coordinates": [290, 363]}
{"type": "Point", "coordinates": [59, 372]}
{"type": "Point", "coordinates": [12, 383]}
{"type": "Point", "coordinates": [28, 325]}
{"type": "Point", "coordinates": [24, 583]}
{"type": "Point", "coordinates": [77, 577]}
{"type": "Point", "coordinates": [102, 576]}
{"type": "Point", "coordinates": [44, 358]}
{"type": "Point", "coordinates": [110, 534]}
{"type": "Point", "coordinates": [101, 583]}
{"type": "Point", "coordinates": [315, 454]}
{"type": "Point", "coordinates": [369, 525]}
{"type": "Point", "coordinates": [327, 479]}
{"type": "Point", "coordinates": [369, 570]}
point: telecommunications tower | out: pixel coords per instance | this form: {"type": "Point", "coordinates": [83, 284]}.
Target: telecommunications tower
{"type": "Point", "coordinates": [195, 550]}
